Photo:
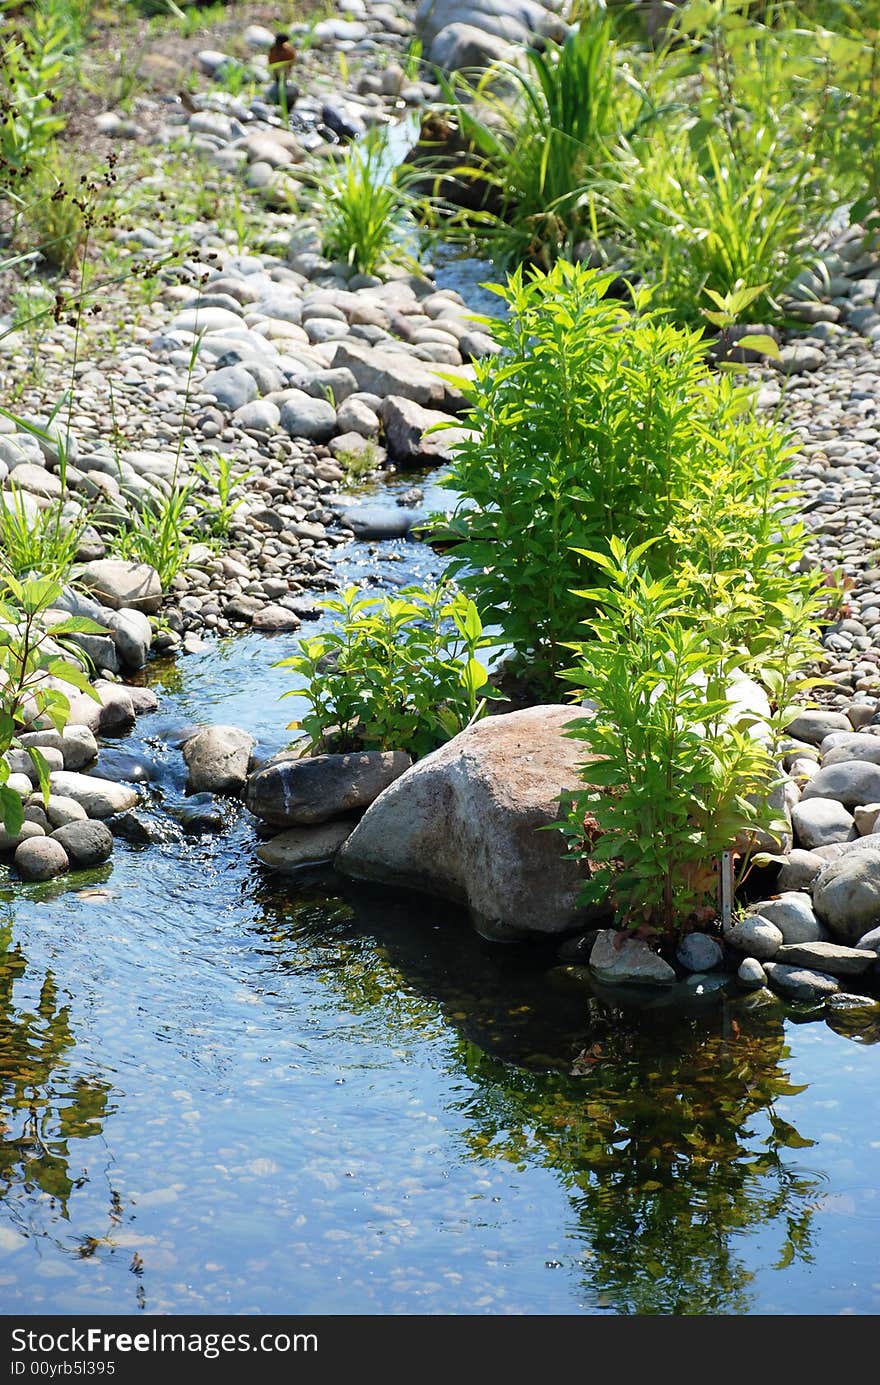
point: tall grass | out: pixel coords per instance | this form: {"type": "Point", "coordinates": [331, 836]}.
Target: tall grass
{"type": "Point", "coordinates": [365, 209]}
{"type": "Point", "coordinates": [541, 134]}
{"type": "Point", "coordinates": [691, 221]}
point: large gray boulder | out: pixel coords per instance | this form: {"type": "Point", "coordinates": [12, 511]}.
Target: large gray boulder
{"type": "Point", "coordinates": [846, 895]}
{"type": "Point", "coordinates": [463, 47]}
{"type": "Point", "coordinates": [119, 583]}
{"type": "Point", "coordinates": [407, 434]}
{"type": "Point", "coordinates": [217, 760]}
{"type": "Point", "coordinates": [390, 372]}
{"type": "Point", "coordinates": [464, 823]}
{"type": "Point", "coordinates": [317, 788]}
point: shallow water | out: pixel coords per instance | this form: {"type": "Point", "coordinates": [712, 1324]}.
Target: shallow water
{"type": "Point", "coordinates": [223, 1095]}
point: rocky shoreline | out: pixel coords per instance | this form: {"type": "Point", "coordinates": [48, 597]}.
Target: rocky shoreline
{"type": "Point", "coordinates": [305, 368]}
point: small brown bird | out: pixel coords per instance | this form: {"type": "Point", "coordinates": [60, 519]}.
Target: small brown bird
{"type": "Point", "coordinates": [282, 54]}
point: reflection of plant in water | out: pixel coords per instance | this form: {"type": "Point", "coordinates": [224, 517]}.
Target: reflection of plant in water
{"type": "Point", "coordinates": [662, 1130]}
{"type": "Point", "coordinates": [39, 1114]}
{"type": "Point", "coordinates": [653, 1138]}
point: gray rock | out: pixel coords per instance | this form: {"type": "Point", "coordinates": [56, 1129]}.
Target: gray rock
{"type": "Point", "coordinates": [867, 818]}
{"type": "Point", "coordinates": [821, 822]}
{"type": "Point", "coordinates": [100, 797]}
{"type": "Point", "coordinates": [799, 870]}
{"type": "Point", "coordinates": [36, 480]}
{"type": "Point", "coordinates": [407, 434]}
{"type": "Point", "coordinates": [870, 942]}
{"type": "Point", "coordinates": [131, 633]}
{"type": "Point", "coordinates": [40, 858]}
{"type": "Point", "coordinates": [335, 385]}
{"type": "Point", "coordinates": [846, 896]}
{"type": "Point", "coordinates": [60, 810]}
{"type": "Point", "coordinates": [464, 47]}
{"type": "Point", "coordinates": [855, 747]}
{"type": "Point", "coordinates": [378, 521]}
{"type": "Point", "coordinates": [119, 584]}
{"type": "Point", "coordinates": [751, 974]}
{"type": "Point", "coordinates": [78, 746]}
{"type": "Point", "coordinates": [796, 358]}
{"type": "Point", "coordinates": [205, 320]}
{"type": "Point", "coordinates": [834, 958]}
{"type": "Point", "coordinates": [853, 783]}
{"type": "Point", "coordinates": [356, 416]}
{"type": "Point", "coordinates": [301, 847]}
{"type": "Point", "coordinates": [754, 936]}
{"type": "Point", "coordinates": [305, 417]}
{"type": "Point", "coordinates": [462, 823]}
{"type": "Point", "coordinates": [698, 952]}
{"type": "Point", "coordinates": [85, 843]}
{"type": "Point", "coordinates": [800, 983]}
{"type": "Point", "coordinates": [10, 840]}
{"type": "Point", "coordinates": [275, 619]}
{"type": "Point", "coordinates": [617, 960]}
{"type": "Point", "coordinates": [390, 372]}
{"type": "Point", "coordinates": [793, 915]}
{"type": "Point", "coordinates": [262, 415]}
{"type": "Point", "coordinates": [232, 387]}
{"type": "Point", "coordinates": [217, 760]}
{"type": "Point", "coordinates": [814, 724]}
{"type": "Point", "coordinates": [316, 789]}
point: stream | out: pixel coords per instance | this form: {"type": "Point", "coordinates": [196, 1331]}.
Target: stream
{"type": "Point", "coordinates": [225, 1093]}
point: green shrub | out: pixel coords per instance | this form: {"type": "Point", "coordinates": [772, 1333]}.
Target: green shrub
{"type": "Point", "coordinates": [598, 420]}
{"type": "Point", "coordinates": [684, 767]}
{"type": "Point", "coordinates": [45, 543]}
{"type": "Point", "coordinates": [27, 661]}
{"type": "Point", "coordinates": [33, 69]}
{"type": "Point", "coordinates": [396, 672]}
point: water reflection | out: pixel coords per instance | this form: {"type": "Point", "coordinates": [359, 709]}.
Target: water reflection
{"type": "Point", "coordinates": [44, 1107]}
{"type": "Point", "coordinates": [662, 1128]}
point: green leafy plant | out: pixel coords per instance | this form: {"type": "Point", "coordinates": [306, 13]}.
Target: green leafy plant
{"type": "Point", "coordinates": [600, 419]}
{"type": "Point", "coordinates": [34, 60]}
{"type": "Point", "coordinates": [397, 672]}
{"type": "Point", "coordinates": [31, 670]}
{"type": "Point", "coordinates": [539, 135]}
{"type": "Point", "coordinates": [695, 220]}
{"type": "Point", "coordinates": [358, 461]}
{"type": "Point", "coordinates": [218, 476]}
{"type": "Point", "coordinates": [682, 762]}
